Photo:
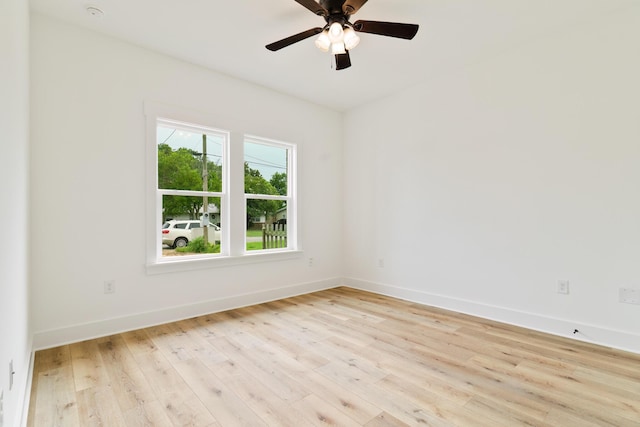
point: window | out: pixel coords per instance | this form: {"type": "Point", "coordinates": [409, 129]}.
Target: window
{"type": "Point", "coordinates": [190, 186]}
{"type": "Point", "coordinates": [267, 193]}
{"type": "Point", "coordinates": [198, 215]}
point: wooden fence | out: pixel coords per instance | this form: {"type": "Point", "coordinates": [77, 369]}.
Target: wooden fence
{"type": "Point", "coordinates": [274, 236]}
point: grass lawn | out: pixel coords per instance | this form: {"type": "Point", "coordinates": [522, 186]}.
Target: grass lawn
{"type": "Point", "coordinates": [254, 246]}
{"type": "Point", "coordinates": [254, 233]}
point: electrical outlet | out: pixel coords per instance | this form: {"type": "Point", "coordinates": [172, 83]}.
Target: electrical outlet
{"type": "Point", "coordinates": [381, 262]}
{"type": "Point", "coordinates": [563, 287]}
{"type": "Point", "coordinates": [310, 262]}
{"type": "Point", "coordinates": [109, 286]}
{"type": "Point", "coordinates": [630, 296]}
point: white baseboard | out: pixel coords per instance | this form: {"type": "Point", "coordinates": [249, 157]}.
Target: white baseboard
{"type": "Point", "coordinates": [621, 340]}
{"type": "Point", "coordinates": [26, 399]}
{"type": "Point", "coordinates": [56, 337]}
{"type": "Point", "coordinates": [595, 334]}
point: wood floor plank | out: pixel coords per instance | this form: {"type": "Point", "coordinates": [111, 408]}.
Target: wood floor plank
{"type": "Point", "coordinates": [271, 327]}
{"type": "Point", "coordinates": [150, 414]}
{"type": "Point", "coordinates": [511, 388]}
{"type": "Point", "coordinates": [181, 404]}
{"type": "Point", "coordinates": [186, 409]}
{"type": "Point", "coordinates": [88, 367]}
{"type": "Point", "coordinates": [195, 341]}
{"type": "Point", "coordinates": [282, 383]}
{"type": "Point", "coordinates": [502, 414]}
{"type": "Point", "coordinates": [350, 357]}
{"type": "Point", "coordinates": [559, 417]}
{"type": "Point", "coordinates": [98, 406]}
{"type": "Point", "coordinates": [226, 407]}
{"type": "Point", "coordinates": [343, 399]}
{"type": "Point", "coordinates": [385, 420]}
{"type": "Point", "coordinates": [593, 404]}
{"type": "Point", "coordinates": [440, 407]}
{"type": "Point", "coordinates": [613, 383]}
{"type": "Point", "coordinates": [296, 351]}
{"type": "Point", "coordinates": [316, 412]}
{"type": "Point", "coordinates": [44, 361]}
{"type": "Point", "coordinates": [336, 357]}
{"type": "Point", "coordinates": [399, 313]}
{"type": "Point", "coordinates": [168, 339]}
{"type": "Point", "coordinates": [273, 410]}
{"type": "Point", "coordinates": [412, 372]}
{"type": "Point", "coordinates": [52, 358]}
{"type": "Point", "coordinates": [407, 411]}
{"type": "Point", "coordinates": [57, 403]}
{"type": "Point", "coordinates": [126, 379]}
{"type": "Point", "coordinates": [138, 342]}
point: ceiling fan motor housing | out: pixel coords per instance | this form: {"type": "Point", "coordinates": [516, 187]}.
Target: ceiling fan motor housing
{"type": "Point", "coordinates": [336, 12]}
{"type": "Point", "coordinates": [334, 7]}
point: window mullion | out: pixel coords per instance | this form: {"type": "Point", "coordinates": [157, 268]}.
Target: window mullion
{"type": "Point", "coordinates": [265, 197]}
{"type": "Point", "coordinates": [237, 210]}
{"type": "Point", "coordinates": [164, 192]}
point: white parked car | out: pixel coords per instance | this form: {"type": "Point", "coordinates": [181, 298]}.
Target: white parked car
{"type": "Point", "coordinates": [178, 233]}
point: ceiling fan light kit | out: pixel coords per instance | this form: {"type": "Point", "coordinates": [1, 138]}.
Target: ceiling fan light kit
{"type": "Point", "coordinates": [322, 42]}
{"type": "Point", "coordinates": [335, 32]}
{"type": "Point", "coordinates": [339, 34]}
{"type": "Point", "coordinates": [350, 38]}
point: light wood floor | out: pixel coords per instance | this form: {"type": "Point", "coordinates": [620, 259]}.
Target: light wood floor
{"type": "Point", "coordinates": [339, 357]}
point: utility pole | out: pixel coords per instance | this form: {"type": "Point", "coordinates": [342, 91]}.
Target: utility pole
{"type": "Point", "coordinates": [205, 187]}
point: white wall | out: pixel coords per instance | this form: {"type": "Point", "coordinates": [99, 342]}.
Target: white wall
{"type": "Point", "coordinates": [15, 341]}
{"type": "Point", "coordinates": [88, 185]}
{"type": "Point", "coordinates": [479, 190]}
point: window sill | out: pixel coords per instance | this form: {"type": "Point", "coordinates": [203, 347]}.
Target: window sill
{"type": "Point", "coordinates": [196, 263]}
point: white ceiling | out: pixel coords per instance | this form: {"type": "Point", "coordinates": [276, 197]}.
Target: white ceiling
{"type": "Point", "coordinates": [229, 36]}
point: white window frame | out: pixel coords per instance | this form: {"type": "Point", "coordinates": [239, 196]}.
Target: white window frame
{"type": "Point", "coordinates": [233, 203]}
{"type": "Point", "coordinates": [290, 197]}
{"type": "Point", "coordinates": [223, 194]}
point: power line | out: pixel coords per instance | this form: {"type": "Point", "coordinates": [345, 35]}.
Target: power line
{"type": "Point", "coordinates": [167, 138]}
{"type": "Point", "coordinates": [261, 159]}
{"type": "Point", "coordinates": [268, 165]}
{"type": "Point", "coordinates": [263, 162]}
{"type": "Point", "coordinates": [211, 140]}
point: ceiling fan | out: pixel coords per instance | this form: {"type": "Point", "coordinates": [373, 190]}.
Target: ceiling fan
{"type": "Point", "coordinates": [339, 35]}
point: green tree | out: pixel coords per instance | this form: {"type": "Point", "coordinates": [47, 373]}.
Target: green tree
{"type": "Point", "coordinates": [279, 182]}
{"type": "Point", "coordinates": [181, 169]}
{"type": "Point", "coordinates": [254, 183]}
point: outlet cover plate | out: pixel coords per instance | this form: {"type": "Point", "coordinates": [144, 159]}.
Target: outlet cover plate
{"type": "Point", "coordinates": [630, 296]}
{"type": "Point", "coordinates": [563, 287]}
{"type": "Point", "coordinates": [109, 286]}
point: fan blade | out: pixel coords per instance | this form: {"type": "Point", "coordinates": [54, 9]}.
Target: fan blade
{"type": "Point", "coordinates": [343, 61]}
{"type": "Point", "coordinates": [314, 7]}
{"type": "Point", "coordinates": [390, 29]}
{"type": "Point", "coordinates": [352, 6]}
{"type": "Point", "coordinates": [293, 39]}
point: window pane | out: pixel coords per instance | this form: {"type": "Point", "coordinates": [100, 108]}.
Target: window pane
{"type": "Point", "coordinates": [181, 235]}
{"type": "Point", "coordinates": [180, 159]}
{"type": "Point", "coordinates": [265, 169]}
{"type": "Point", "coordinates": [266, 224]}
